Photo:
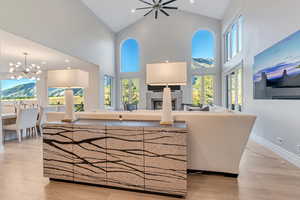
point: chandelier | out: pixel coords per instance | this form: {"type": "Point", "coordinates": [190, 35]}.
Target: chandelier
{"type": "Point", "coordinates": [29, 71]}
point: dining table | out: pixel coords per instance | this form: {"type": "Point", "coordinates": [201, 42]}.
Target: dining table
{"type": "Point", "coordinates": [8, 118]}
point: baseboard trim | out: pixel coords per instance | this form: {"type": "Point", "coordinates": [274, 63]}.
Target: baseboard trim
{"type": "Point", "coordinates": [283, 153]}
{"type": "Point", "coordinates": [191, 171]}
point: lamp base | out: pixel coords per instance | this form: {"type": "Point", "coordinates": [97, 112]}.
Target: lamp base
{"type": "Point", "coordinates": [69, 120]}
{"type": "Point", "coordinates": [166, 123]}
{"type": "Point", "coordinates": [166, 118]}
{"type": "Point", "coordinates": [69, 115]}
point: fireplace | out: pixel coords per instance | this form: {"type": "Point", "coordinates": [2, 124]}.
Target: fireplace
{"type": "Point", "coordinates": [157, 104]}
{"type": "Point", "coordinates": [155, 99]}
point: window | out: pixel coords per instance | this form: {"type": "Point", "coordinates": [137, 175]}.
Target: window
{"type": "Point", "coordinates": [130, 58]}
{"type": "Point", "coordinates": [130, 91]}
{"type": "Point", "coordinates": [14, 90]}
{"type": "Point", "coordinates": [235, 89]}
{"type": "Point", "coordinates": [57, 97]}
{"type": "Point", "coordinates": [203, 49]}
{"type": "Point", "coordinates": [108, 84]}
{"type": "Point", "coordinates": [203, 90]}
{"type": "Point", "coordinates": [233, 39]}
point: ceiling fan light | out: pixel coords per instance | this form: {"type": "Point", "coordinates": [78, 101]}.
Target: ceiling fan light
{"type": "Point", "coordinates": [158, 6]}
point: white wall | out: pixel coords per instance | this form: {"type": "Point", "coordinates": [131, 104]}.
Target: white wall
{"type": "Point", "coordinates": [168, 38]}
{"type": "Point", "coordinates": [65, 25]}
{"type": "Point", "coordinates": [266, 23]}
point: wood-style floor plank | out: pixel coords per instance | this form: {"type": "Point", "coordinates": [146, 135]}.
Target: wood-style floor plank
{"type": "Point", "coordinates": [264, 176]}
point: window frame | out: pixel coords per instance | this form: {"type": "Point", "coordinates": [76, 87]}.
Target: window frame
{"type": "Point", "coordinates": [63, 97]}
{"type": "Point", "coordinates": [228, 38]}
{"type": "Point", "coordinates": [228, 95]}
{"type": "Point", "coordinates": [34, 98]}
{"type": "Point", "coordinates": [214, 44]}
{"type": "Point", "coordinates": [121, 88]}
{"type": "Point", "coordinates": [202, 72]}
{"type": "Point", "coordinates": [121, 54]}
{"type": "Point", "coordinates": [202, 101]}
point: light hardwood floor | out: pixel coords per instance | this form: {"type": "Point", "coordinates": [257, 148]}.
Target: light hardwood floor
{"type": "Point", "coordinates": [264, 176]}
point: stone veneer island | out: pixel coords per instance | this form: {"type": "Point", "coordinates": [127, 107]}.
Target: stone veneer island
{"type": "Point", "coordinates": [136, 155]}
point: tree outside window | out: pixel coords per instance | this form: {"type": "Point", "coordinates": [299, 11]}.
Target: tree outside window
{"type": "Point", "coordinates": [108, 84]}
{"type": "Point", "coordinates": [130, 91]}
{"type": "Point", "coordinates": [235, 89]}
{"type": "Point", "coordinates": [203, 90]}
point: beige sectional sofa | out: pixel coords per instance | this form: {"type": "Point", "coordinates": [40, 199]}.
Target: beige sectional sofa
{"type": "Point", "coordinates": [216, 141]}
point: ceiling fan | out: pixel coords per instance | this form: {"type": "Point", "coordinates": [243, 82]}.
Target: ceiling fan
{"type": "Point", "coordinates": [158, 6]}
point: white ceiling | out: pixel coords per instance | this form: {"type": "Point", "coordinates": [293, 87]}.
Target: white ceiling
{"type": "Point", "coordinates": [117, 13]}
{"type": "Point", "coordinates": [13, 47]}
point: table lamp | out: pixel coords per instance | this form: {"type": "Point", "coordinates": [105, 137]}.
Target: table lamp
{"type": "Point", "coordinates": [167, 74]}
{"type": "Point", "coordinates": [68, 79]}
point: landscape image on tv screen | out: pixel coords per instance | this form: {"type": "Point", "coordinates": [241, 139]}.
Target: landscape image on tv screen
{"type": "Point", "coordinates": [277, 70]}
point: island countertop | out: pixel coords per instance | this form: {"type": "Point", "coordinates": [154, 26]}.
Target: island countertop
{"type": "Point", "coordinates": [121, 123]}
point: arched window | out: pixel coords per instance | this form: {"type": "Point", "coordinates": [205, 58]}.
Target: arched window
{"type": "Point", "coordinates": [203, 57]}
{"type": "Point", "coordinates": [130, 56]}
{"type": "Point", "coordinates": [203, 50]}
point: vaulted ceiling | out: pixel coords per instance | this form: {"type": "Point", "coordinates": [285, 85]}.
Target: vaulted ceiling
{"type": "Point", "coordinates": [117, 13]}
{"type": "Point", "coordinates": [13, 47]}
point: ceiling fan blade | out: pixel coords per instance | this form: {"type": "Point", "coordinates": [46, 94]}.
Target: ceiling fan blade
{"type": "Point", "coordinates": [148, 12]}
{"type": "Point", "coordinates": [156, 14]}
{"type": "Point", "coordinates": [168, 2]}
{"type": "Point", "coordinates": [146, 2]}
{"type": "Point", "coordinates": [144, 8]}
{"type": "Point", "coordinates": [161, 10]}
{"type": "Point", "coordinates": [154, 1]}
{"type": "Point", "coordinates": [168, 7]}
{"type": "Point", "coordinates": [160, 1]}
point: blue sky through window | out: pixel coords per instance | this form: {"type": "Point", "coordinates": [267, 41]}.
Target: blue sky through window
{"type": "Point", "coordinates": [130, 58]}
{"type": "Point", "coordinates": [203, 45]}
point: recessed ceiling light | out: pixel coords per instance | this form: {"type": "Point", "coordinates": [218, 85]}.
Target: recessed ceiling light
{"type": "Point", "coordinates": [133, 10]}
{"type": "Point", "coordinates": [192, 1]}
{"type": "Point", "coordinates": [67, 60]}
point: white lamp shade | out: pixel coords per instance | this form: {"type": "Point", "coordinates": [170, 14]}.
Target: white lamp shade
{"type": "Point", "coordinates": [167, 74]}
{"type": "Point", "coordinates": [68, 79]}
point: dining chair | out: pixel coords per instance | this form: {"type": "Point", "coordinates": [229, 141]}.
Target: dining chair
{"type": "Point", "coordinates": [41, 119]}
{"type": "Point", "coordinates": [26, 119]}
